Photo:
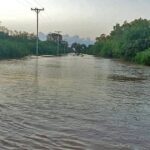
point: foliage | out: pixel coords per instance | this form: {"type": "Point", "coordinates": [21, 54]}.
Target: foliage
{"type": "Point", "coordinates": [79, 48]}
{"type": "Point", "coordinates": [125, 41]}
{"type": "Point", "coordinates": [14, 44]}
{"type": "Point", "coordinates": [143, 57]}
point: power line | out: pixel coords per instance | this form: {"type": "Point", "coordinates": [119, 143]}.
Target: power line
{"type": "Point", "coordinates": [46, 16]}
{"type": "Point", "coordinates": [22, 2]}
{"type": "Point", "coordinates": [38, 3]}
{"type": "Point", "coordinates": [27, 3]}
{"type": "Point", "coordinates": [37, 10]}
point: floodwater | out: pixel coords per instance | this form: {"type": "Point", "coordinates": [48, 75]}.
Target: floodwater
{"type": "Point", "coordinates": [74, 103]}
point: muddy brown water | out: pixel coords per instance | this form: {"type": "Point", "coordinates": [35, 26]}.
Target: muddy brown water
{"type": "Point", "coordinates": [74, 103]}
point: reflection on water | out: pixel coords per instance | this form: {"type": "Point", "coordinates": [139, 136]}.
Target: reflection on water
{"type": "Point", "coordinates": [74, 103]}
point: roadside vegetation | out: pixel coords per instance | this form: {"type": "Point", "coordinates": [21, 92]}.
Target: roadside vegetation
{"type": "Point", "coordinates": [130, 41]}
{"type": "Point", "coordinates": [14, 44]}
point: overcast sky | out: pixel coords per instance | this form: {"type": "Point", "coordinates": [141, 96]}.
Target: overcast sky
{"type": "Point", "coordinates": [86, 18]}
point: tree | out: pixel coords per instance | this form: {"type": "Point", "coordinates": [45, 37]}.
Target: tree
{"type": "Point", "coordinates": [124, 41]}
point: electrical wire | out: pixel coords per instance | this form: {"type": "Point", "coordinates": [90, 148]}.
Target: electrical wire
{"type": "Point", "coordinates": [29, 3]}
{"type": "Point", "coordinates": [45, 13]}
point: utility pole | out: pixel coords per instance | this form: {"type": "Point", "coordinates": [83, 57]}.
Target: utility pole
{"type": "Point", "coordinates": [58, 32]}
{"type": "Point", "coordinates": [37, 42]}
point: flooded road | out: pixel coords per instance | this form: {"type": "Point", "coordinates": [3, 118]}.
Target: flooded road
{"type": "Point", "coordinates": [74, 103]}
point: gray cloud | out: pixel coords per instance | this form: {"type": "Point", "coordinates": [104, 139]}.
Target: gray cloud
{"type": "Point", "coordinates": [87, 18]}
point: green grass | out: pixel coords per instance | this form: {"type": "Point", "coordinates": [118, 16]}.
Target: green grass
{"type": "Point", "coordinates": [143, 57]}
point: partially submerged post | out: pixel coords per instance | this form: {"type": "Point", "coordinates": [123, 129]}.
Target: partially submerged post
{"type": "Point", "coordinates": [58, 40]}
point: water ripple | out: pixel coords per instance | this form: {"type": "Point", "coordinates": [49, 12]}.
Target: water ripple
{"type": "Point", "coordinates": [74, 103]}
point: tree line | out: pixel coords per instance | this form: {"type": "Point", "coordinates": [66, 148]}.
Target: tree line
{"type": "Point", "coordinates": [17, 44]}
{"type": "Point", "coordinates": [130, 41]}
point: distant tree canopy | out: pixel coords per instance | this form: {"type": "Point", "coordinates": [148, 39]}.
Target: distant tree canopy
{"type": "Point", "coordinates": [79, 48]}
{"type": "Point", "coordinates": [16, 44]}
{"type": "Point", "coordinates": [129, 41]}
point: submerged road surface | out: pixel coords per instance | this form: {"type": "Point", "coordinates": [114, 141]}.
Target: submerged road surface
{"type": "Point", "coordinates": [74, 103]}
